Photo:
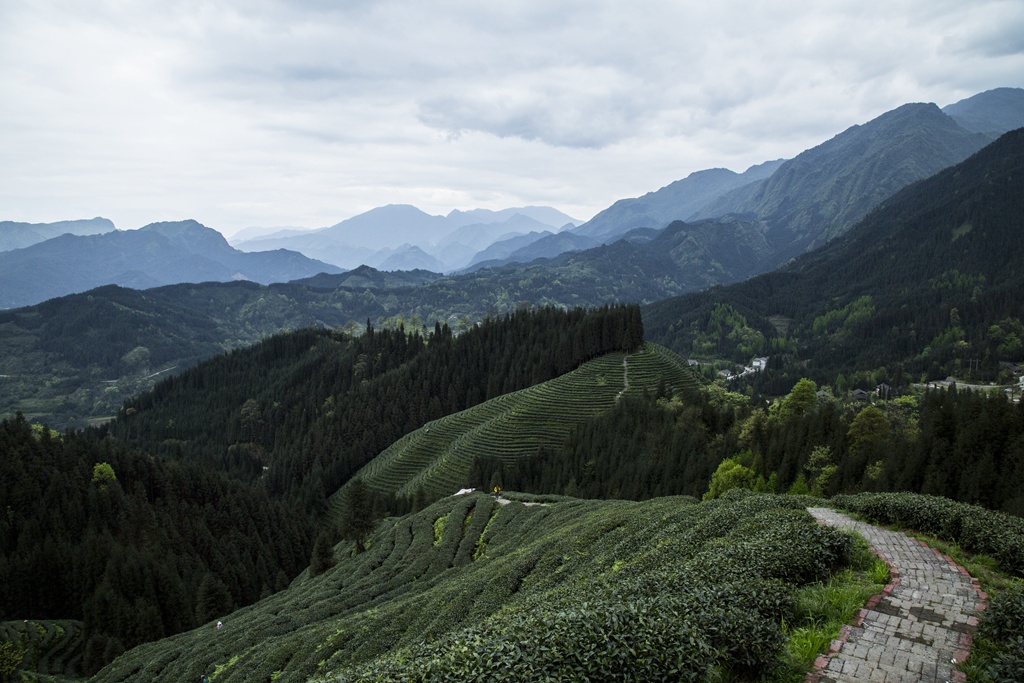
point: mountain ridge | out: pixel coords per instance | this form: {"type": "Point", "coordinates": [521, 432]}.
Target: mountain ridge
{"type": "Point", "coordinates": [157, 254]}
{"type": "Point", "coordinates": [947, 242]}
{"type": "Point", "coordinates": [678, 200]}
{"type": "Point", "coordinates": [452, 239]}
{"type": "Point", "coordinates": [18, 235]}
{"type": "Point", "coordinates": [992, 112]}
{"type": "Point", "coordinates": [822, 191]}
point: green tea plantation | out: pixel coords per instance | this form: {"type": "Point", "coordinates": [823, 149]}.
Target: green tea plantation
{"type": "Point", "coordinates": [539, 589]}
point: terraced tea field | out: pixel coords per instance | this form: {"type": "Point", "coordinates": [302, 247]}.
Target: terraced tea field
{"type": "Point", "coordinates": [439, 456]}
{"type": "Point", "coordinates": [470, 590]}
{"type": "Point", "coordinates": [52, 648]}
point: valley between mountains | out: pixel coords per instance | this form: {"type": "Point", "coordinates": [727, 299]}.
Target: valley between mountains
{"type": "Point", "coordinates": [590, 465]}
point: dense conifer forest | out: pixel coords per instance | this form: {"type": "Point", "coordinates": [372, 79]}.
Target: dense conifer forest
{"type": "Point", "coordinates": [314, 406]}
{"type": "Point", "coordinates": [137, 547]}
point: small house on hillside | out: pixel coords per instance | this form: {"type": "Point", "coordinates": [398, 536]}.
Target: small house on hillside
{"type": "Point", "coordinates": [885, 392]}
{"type": "Point", "coordinates": [861, 395]}
{"type": "Point", "coordinates": [1012, 367]}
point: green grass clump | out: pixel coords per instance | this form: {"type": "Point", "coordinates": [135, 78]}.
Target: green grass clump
{"type": "Point", "coordinates": [439, 529]}
{"type": "Point", "coordinates": [824, 607]}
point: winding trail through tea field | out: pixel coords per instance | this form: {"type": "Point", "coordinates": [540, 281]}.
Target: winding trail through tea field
{"type": "Point", "coordinates": [625, 379]}
{"type": "Point", "coordinates": [920, 625]}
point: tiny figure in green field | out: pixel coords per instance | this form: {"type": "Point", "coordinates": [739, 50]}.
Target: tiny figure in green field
{"type": "Point", "coordinates": [497, 490]}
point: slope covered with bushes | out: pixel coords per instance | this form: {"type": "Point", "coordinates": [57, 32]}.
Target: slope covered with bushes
{"type": "Point", "coordinates": [468, 589]}
{"type": "Point", "coordinates": [439, 457]}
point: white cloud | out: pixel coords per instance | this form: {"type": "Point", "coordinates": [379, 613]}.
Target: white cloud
{"type": "Point", "coordinates": [306, 112]}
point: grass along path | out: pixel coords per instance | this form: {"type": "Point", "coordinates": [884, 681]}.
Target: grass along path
{"type": "Point", "coordinates": [918, 629]}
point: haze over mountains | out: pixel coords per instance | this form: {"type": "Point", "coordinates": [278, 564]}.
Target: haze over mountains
{"type": "Point", "coordinates": [764, 216]}
{"type": "Point", "coordinates": [93, 341]}
{"type": "Point", "coordinates": [401, 237]}
{"type": "Point", "coordinates": [14, 235]}
{"type": "Point", "coordinates": [158, 254]}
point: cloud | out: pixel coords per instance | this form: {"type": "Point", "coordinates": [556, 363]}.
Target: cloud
{"type": "Point", "coordinates": [307, 111]}
{"type": "Point", "coordinates": [568, 107]}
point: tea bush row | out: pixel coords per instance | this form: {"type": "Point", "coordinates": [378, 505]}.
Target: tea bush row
{"type": "Point", "coordinates": [51, 647]}
{"type": "Point", "coordinates": [668, 615]}
{"type": "Point", "coordinates": [974, 528]}
{"type": "Point", "coordinates": [439, 457]}
{"type": "Point", "coordinates": [653, 585]}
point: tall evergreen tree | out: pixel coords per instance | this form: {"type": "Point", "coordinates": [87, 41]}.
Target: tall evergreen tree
{"type": "Point", "coordinates": [213, 599]}
{"type": "Point", "coordinates": [357, 521]}
{"type": "Point", "coordinates": [323, 555]}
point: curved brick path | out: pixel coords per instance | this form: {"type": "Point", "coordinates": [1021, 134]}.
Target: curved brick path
{"type": "Point", "coordinates": [913, 631]}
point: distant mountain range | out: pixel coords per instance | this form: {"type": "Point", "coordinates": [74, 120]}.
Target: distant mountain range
{"type": "Point", "coordinates": [64, 354]}
{"type": "Point", "coordinates": [157, 254]}
{"type": "Point", "coordinates": [822, 192]}
{"type": "Point", "coordinates": [788, 207]}
{"type": "Point", "coordinates": [14, 235]}
{"type": "Point", "coordinates": [803, 202]}
{"type": "Point", "coordinates": [798, 204]}
{"type": "Point", "coordinates": [400, 236]}
{"type": "Point", "coordinates": [676, 201]}
{"type": "Point", "coordinates": [795, 206]}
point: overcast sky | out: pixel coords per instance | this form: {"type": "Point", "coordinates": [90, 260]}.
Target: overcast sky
{"type": "Point", "coordinates": [304, 112]}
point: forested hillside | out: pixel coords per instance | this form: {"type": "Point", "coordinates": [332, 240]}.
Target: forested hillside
{"type": "Point", "coordinates": [81, 356]}
{"type": "Point", "coordinates": [136, 547]}
{"type": "Point", "coordinates": [315, 406]}
{"type": "Point", "coordinates": [206, 494]}
{"type": "Point", "coordinates": [963, 445]}
{"type": "Point", "coordinates": [926, 286]}
{"type": "Point", "coordinates": [473, 447]}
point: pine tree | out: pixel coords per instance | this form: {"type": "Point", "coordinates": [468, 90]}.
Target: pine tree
{"type": "Point", "coordinates": [323, 555]}
{"type": "Point", "coordinates": [357, 521]}
{"type": "Point", "coordinates": [213, 599]}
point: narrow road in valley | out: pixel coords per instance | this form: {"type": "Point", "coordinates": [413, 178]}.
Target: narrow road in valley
{"type": "Point", "coordinates": [917, 629]}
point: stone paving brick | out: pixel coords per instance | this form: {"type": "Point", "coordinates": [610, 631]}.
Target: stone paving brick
{"type": "Point", "coordinates": [914, 631]}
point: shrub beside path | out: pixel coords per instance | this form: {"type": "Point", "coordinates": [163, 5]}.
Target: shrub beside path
{"type": "Point", "coordinates": [921, 623]}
